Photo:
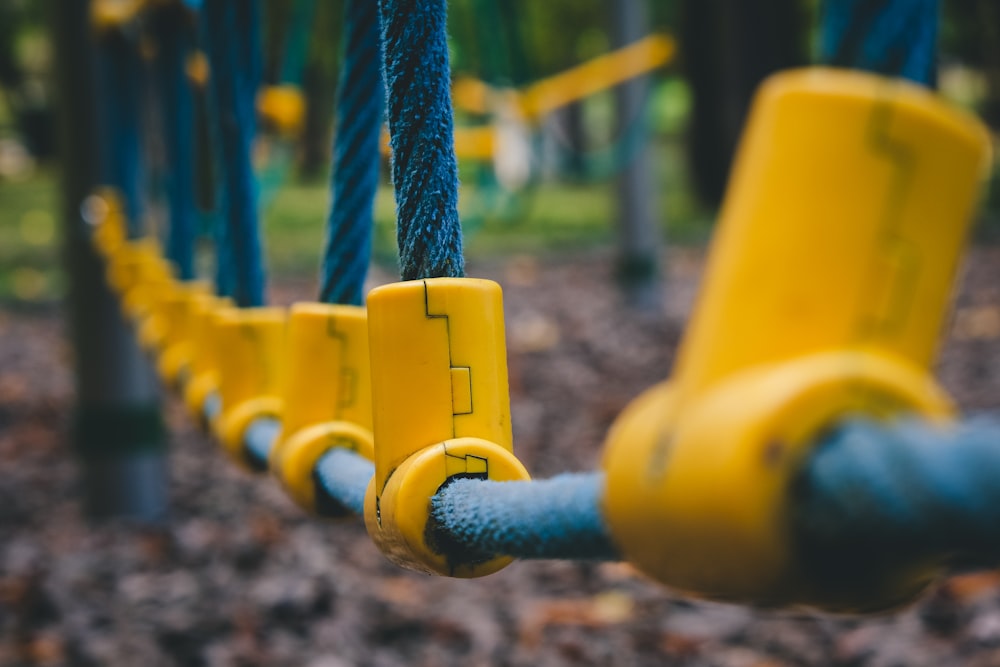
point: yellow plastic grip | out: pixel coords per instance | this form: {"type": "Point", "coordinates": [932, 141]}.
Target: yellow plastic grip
{"type": "Point", "coordinates": [327, 400]}
{"type": "Point", "coordinates": [249, 343]}
{"type": "Point", "coordinates": [441, 409]}
{"type": "Point", "coordinates": [824, 295]}
{"type": "Point", "coordinates": [132, 262]}
{"type": "Point", "coordinates": [177, 346]}
{"type": "Point", "coordinates": [105, 212]}
{"type": "Point", "coordinates": [203, 374]}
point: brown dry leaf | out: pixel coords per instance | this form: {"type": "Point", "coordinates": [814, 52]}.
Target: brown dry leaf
{"type": "Point", "coordinates": [266, 528]}
{"type": "Point", "coordinates": [534, 332]}
{"type": "Point", "coordinates": [967, 587]}
{"type": "Point", "coordinates": [618, 571]}
{"type": "Point", "coordinates": [604, 609]}
{"type": "Point", "coordinates": [521, 271]}
{"type": "Point", "coordinates": [977, 323]}
{"type": "Point", "coordinates": [401, 591]}
{"type": "Point", "coordinates": [44, 650]}
{"type": "Point", "coordinates": [680, 646]}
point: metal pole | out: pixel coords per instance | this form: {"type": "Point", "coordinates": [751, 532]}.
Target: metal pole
{"type": "Point", "coordinates": [117, 431]}
{"type": "Point", "coordinates": [639, 236]}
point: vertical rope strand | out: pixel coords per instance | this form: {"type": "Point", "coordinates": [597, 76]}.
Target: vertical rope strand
{"type": "Point", "coordinates": [122, 164]}
{"type": "Point", "coordinates": [424, 169]}
{"type": "Point", "coordinates": [356, 158]}
{"type": "Point", "coordinates": [234, 53]}
{"type": "Point", "coordinates": [175, 40]}
{"type": "Point", "coordinates": [892, 37]}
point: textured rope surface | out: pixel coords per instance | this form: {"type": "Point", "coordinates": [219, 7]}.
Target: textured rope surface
{"type": "Point", "coordinates": [874, 498]}
{"type": "Point", "coordinates": [552, 518]}
{"type": "Point", "coordinates": [356, 158]}
{"type": "Point", "coordinates": [233, 35]}
{"type": "Point", "coordinates": [894, 37]}
{"type": "Point", "coordinates": [424, 169]}
{"type": "Point", "coordinates": [175, 41]}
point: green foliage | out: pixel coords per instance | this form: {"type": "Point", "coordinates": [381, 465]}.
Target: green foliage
{"type": "Point", "coordinates": [28, 239]}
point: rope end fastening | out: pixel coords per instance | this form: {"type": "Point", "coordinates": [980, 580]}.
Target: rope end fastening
{"type": "Point", "coordinates": [441, 411]}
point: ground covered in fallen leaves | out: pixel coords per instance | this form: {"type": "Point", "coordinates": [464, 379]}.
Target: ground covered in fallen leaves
{"type": "Point", "coordinates": [239, 577]}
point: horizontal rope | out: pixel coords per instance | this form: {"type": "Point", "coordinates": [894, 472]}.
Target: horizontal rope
{"type": "Point", "coordinates": [876, 497]}
{"type": "Point", "coordinates": [342, 476]}
{"type": "Point", "coordinates": [873, 498]}
{"type": "Point", "coordinates": [259, 440]}
{"type": "Point", "coordinates": [552, 518]}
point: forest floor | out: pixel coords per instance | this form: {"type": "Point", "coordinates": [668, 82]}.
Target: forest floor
{"type": "Point", "coordinates": [238, 576]}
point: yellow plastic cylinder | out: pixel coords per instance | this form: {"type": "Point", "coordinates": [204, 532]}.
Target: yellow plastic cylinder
{"type": "Point", "coordinates": [105, 212]}
{"type": "Point", "coordinates": [132, 262]}
{"type": "Point", "coordinates": [178, 343]}
{"type": "Point", "coordinates": [203, 373]}
{"type": "Point", "coordinates": [327, 397]}
{"type": "Point", "coordinates": [249, 343]}
{"type": "Point", "coordinates": [441, 409]}
{"type": "Point", "coordinates": [824, 295]}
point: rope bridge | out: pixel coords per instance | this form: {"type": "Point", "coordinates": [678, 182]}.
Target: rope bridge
{"type": "Point", "coordinates": [800, 454]}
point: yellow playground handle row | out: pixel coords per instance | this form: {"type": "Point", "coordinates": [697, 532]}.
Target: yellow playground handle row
{"type": "Point", "coordinates": [825, 295]}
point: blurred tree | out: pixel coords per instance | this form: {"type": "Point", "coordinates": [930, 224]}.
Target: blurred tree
{"type": "Point", "coordinates": [728, 48]}
{"type": "Point", "coordinates": [638, 232]}
{"type": "Point", "coordinates": [319, 83]}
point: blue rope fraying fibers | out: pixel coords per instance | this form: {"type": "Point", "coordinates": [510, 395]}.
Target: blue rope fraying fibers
{"type": "Point", "coordinates": [876, 498]}
{"type": "Point", "coordinates": [891, 37]}
{"type": "Point", "coordinates": [341, 478]}
{"type": "Point", "coordinates": [553, 518]}
{"type": "Point", "coordinates": [175, 40]}
{"type": "Point", "coordinates": [233, 30]}
{"type": "Point", "coordinates": [356, 158]}
{"type": "Point", "coordinates": [424, 168]}
{"type": "Point", "coordinates": [120, 79]}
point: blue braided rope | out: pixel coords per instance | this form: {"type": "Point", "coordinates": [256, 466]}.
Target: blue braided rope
{"type": "Point", "coordinates": [216, 218]}
{"type": "Point", "coordinates": [552, 518]}
{"type": "Point", "coordinates": [893, 37]}
{"type": "Point", "coordinates": [424, 168]}
{"type": "Point", "coordinates": [870, 501]}
{"type": "Point", "coordinates": [875, 498]}
{"type": "Point", "coordinates": [122, 164]}
{"type": "Point", "coordinates": [175, 41]}
{"type": "Point", "coordinates": [342, 478]}
{"type": "Point", "coordinates": [233, 29]}
{"type": "Point", "coordinates": [356, 158]}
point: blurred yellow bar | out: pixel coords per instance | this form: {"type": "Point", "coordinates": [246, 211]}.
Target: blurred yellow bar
{"type": "Point", "coordinates": [473, 143]}
{"type": "Point", "coordinates": [111, 14]}
{"type": "Point", "coordinates": [576, 83]}
{"type": "Point", "coordinates": [471, 95]}
{"type": "Point", "coordinates": [596, 75]}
